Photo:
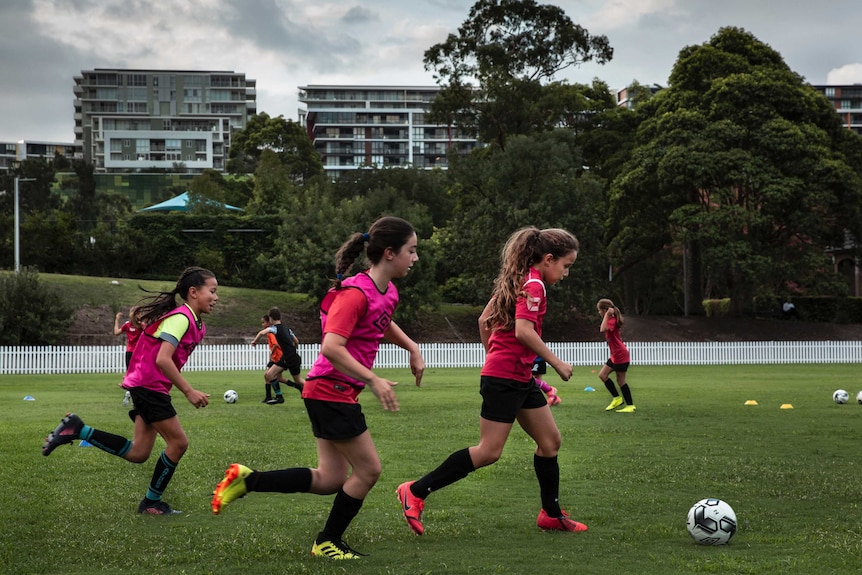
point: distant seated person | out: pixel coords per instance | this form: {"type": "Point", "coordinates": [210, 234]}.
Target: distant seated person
{"type": "Point", "coordinates": [789, 310]}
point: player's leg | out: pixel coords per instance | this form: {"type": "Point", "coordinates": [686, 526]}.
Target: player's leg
{"type": "Point", "coordinates": [539, 424]}
{"type": "Point", "coordinates": [604, 375]}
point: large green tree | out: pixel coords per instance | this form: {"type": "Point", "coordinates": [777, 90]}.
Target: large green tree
{"type": "Point", "coordinates": [537, 180]}
{"type": "Point", "coordinates": [286, 138]}
{"type": "Point", "coordinates": [743, 169]}
{"type": "Point", "coordinates": [497, 74]}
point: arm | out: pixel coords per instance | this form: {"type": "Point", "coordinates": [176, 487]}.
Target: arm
{"type": "Point", "coordinates": [525, 333]}
{"type": "Point", "coordinates": [165, 362]}
{"type": "Point", "coordinates": [606, 320]}
{"type": "Point", "coordinates": [417, 363]}
{"type": "Point", "coordinates": [484, 332]}
{"type": "Point", "coordinates": [334, 348]}
{"type": "Point", "coordinates": [260, 334]}
{"type": "Point", "coordinates": [117, 330]}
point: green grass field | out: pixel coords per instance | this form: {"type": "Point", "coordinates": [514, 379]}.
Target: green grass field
{"type": "Point", "coordinates": [793, 476]}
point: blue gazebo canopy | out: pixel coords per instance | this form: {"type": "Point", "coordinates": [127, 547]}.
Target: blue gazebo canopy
{"type": "Point", "coordinates": [180, 203]}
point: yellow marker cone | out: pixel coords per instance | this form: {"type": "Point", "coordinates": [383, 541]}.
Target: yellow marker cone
{"type": "Point", "coordinates": [751, 402]}
{"type": "Point", "coordinates": [786, 406]}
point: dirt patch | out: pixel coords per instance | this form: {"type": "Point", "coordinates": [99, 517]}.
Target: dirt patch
{"type": "Point", "coordinates": [94, 326]}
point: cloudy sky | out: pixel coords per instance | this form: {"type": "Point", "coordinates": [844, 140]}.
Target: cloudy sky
{"type": "Point", "coordinates": [284, 44]}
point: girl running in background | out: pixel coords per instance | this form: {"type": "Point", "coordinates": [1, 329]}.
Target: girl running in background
{"type": "Point", "coordinates": [612, 321]}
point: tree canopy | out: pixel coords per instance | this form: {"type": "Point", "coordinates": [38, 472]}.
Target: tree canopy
{"type": "Point", "coordinates": [744, 167]}
{"type": "Point", "coordinates": [495, 73]}
{"type": "Point", "coordinates": [286, 138]}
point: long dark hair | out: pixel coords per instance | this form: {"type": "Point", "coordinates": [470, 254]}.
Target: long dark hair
{"type": "Point", "coordinates": [386, 232]}
{"type": "Point", "coordinates": [152, 308]}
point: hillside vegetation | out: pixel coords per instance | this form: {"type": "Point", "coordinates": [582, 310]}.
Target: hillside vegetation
{"type": "Point", "coordinates": [236, 318]}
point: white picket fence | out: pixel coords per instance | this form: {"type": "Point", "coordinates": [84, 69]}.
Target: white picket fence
{"type": "Point", "coordinates": [111, 359]}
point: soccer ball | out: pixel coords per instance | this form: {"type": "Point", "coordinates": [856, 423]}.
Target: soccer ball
{"type": "Point", "coordinates": [230, 396]}
{"type": "Point", "coordinates": [859, 397]}
{"type": "Point", "coordinates": [711, 522]}
{"type": "Point", "coordinates": [840, 396]}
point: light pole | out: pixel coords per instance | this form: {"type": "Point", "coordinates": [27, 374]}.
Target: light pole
{"type": "Point", "coordinates": [18, 224]}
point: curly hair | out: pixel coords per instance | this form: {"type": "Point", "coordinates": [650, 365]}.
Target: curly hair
{"type": "Point", "coordinates": [523, 249]}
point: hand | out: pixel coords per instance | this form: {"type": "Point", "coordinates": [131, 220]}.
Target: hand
{"type": "Point", "coordinates": [382, 388]}
{"type": "Point", "coordinates": [119, 315]}
{"type": "Point", "coordinates": [564, 371]}
{"type": "Point", "coordinates": [198, 398]}
{"type": "Point", "coordinates": [417, 367]}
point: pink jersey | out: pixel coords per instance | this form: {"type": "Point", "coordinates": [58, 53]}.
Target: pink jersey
{"type": "Point", "coordinates": [507, 358]}
{"type": "Point", "coordinates": [324, 381]}
{"type": "Point", "coordinates": [143, 371]}
{"type": "Point", "coordinates": [619, 351]}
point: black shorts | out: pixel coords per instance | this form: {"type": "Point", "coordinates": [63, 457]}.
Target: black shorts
{"type": "Point", "coordinates": [128, 359]}
{"type": "Point", "coordinates": [151, 405]}
{"type": "Point", "coordinates": [617, 366]}
{"type": "Point", "coordinates": [292, 364]}
{"type": "Point", "coordinates": [333, 420]}
{"type": "Point", "coordinates": [502, 399]}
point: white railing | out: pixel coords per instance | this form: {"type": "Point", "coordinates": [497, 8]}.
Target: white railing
{"type": "Point", "coordinates": [238, 357]}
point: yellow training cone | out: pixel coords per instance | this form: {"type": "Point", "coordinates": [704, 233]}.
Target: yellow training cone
{"type": "Point", "coordinates": [751, 402]}
{"type": "Point", "coordinates": [786, 406]}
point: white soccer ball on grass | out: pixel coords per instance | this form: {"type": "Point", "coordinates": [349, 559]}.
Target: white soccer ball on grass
{"type": "Point", "coordinates": [230, 396]}
{"type": "Point", "coordinates": [711, 522]}
{"type": "Point", "coordinates": [840, 396]}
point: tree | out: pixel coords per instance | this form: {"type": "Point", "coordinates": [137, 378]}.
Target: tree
{"type": "Point", "coordinates": [286, 138]}
{"type": "Point", "coordinates": [537, 180]}
{"type": "Point", "coordinates": [744, 170]}
{"type": "Point", "coordinates": [31, 313]}
{"type": "Point", "coordinates": [511, 49]}
{"type": "Point", "coordinates": [272, 186]}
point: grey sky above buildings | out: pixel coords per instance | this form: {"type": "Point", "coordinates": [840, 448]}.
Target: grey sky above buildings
{"type": "Point", "coordinates": [284, 44]}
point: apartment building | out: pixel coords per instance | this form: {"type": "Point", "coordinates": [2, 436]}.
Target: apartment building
{"type": "Point", "coordinates": [360, 126]}
{"type": "Point", "coordinates": [138, 120]}
{"type": "Point", "coordinates": [847, 100]}
{"type": "Point", "coordinates": [12, 152]}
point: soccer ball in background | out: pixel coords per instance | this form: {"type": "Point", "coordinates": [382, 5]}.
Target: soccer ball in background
{"type": "Point", "coordinates": [711, 522]}
{"type": "Point", "coordinates": [859, 397]}
{"type": "Point", "coordinates": [840, 396]}
{"type": "Point", "coordinates": [230, 396]}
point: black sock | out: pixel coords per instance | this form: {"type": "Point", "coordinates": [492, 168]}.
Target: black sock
{"type": "Point", "coordinates": [269, 391]}
{"type": "Point", "coordinates": [293, 480]}
{"type": "Point", "coordinates": [161, 477]}
{"type": "Point", "coordinates": [344, 509]}
{"type": "Point", "coordinates": [457, 466]}
{"type": "Point", "coordinates": [609, 383]}
{"type": "Point", "coordinates": [107, 442]}
{"type": "Point", "coordinates": [627, 394]}
{"type": "Point", "coordinates": [548, 474]}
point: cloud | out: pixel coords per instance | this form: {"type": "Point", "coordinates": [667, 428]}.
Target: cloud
{"type": "Point", "coordinates": [359, 15]}
{"type": "Point", "coordinates": [847, 74]}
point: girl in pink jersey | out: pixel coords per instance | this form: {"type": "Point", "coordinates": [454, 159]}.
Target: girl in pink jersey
{"type": "Point", "coordinates": [172, 333]}
{"type": "Point", "coordinates": [612, 321]}
{"type": "Point", "coordinates": [355, 315]}
{"type": "Point", "coordinates": [511, 331]}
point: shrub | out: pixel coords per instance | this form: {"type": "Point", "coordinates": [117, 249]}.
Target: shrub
{"type": "Point", "coordinates": [31, 313]}
{"type": "Point", "coordinates": [717, 307]}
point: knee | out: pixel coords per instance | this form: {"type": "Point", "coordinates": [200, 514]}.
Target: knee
{"type": "Point", "coordinates": [550, 446]}
{"type": "Point", "coordinates": [485, 457]}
